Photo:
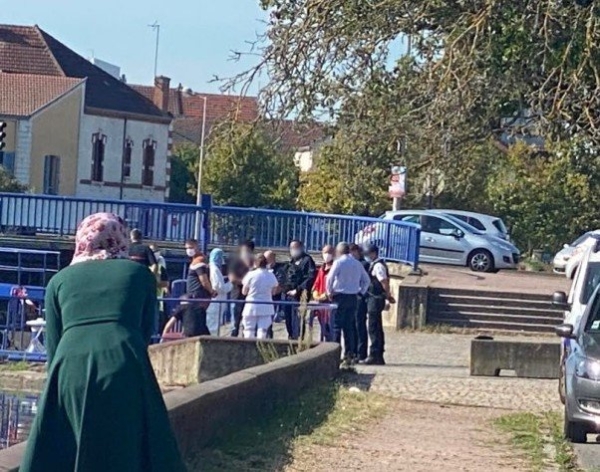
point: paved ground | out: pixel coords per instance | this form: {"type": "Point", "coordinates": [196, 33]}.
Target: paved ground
{"type": "Point", "coordinates": [507, 280]}
{"type": "Point", "coordinates": [440, 418]}
{"type": "Point", "coordinates": [435, 368]}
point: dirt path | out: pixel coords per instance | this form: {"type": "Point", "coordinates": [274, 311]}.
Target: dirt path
{"type": "Point", "coordinates": [417, 437]}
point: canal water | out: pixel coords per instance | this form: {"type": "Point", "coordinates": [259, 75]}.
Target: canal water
{"type": "Point", "coordinates": [16, 415]}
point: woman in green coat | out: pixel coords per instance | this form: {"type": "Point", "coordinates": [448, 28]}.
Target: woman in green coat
{"type": "Point", "coordinates": [102, 409]}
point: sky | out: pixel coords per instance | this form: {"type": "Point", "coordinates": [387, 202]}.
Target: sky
{"type": "Point", "coordinates": [196, 37]}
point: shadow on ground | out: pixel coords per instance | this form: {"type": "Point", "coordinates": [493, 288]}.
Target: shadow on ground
{"type": "Point", "coordinates": [266, 443]}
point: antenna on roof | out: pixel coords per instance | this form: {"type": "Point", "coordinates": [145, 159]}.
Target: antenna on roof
{"type": "Point", "coordinates": [156, 28]}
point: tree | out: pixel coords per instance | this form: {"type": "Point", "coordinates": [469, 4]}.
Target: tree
{"type": "Point", "coordinates": [244, 168]}
{"type": "Point", "coordinates": [548, 198]}
{"type": "Point", "coordinates": [9, 184]}
{"type": "Point", "coordinates": [182, 185]}
{"type": "Point", "coordinates": [475, 64]}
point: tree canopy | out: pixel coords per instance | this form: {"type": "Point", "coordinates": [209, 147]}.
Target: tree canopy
{"type": "Point", "coordinates": [243, 167]}
{"type": "Point", "coordinates": [9, 184]}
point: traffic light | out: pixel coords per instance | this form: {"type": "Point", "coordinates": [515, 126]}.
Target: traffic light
{"type": "Point", "coordinates": [2, 134]}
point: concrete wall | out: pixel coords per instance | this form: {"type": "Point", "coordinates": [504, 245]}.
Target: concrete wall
{"type": "Point", "coordinates": [200, 413]}
{"type": "Point", "coordinates": [177, 362]}
{"type": "Point", "coordinates": [55, 131]}
{"type": "Point", "coordinates": [23, 151]}
{"type": "Point", "coordinates": [115, 129]}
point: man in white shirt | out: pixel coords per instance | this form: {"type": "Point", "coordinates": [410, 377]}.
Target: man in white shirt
{"type": "Point", "coordinates": [346, 279]}
{"type": "Point", "coordinates": [377, 296]}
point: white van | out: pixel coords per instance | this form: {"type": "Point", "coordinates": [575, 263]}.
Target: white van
{"type": "Point", "coordinates": [587, 278]}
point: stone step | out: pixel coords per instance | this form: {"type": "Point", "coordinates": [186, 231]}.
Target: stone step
{"type": "Point", "coordinates": [494, 295]}
{"type": "Point", "coordinates": [495, 325]}
{"type": "Point", "coordinates": [496, 308]}
{"type": "Point", "coordinates": [483, 300]}
{"type": "Point", "coordinates": [526, 319]}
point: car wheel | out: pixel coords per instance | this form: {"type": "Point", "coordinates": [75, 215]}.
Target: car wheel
{"type": "Point", "coordinates": [481, 261]}
{"type": "Point", "coordinates": [574, 432]}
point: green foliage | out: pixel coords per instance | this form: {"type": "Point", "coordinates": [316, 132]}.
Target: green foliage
{"type": "Point", "coordinates": [547, 198]}
{"type": "Point", "coordinates": [182, 187]}
{"type": "Point", "coordinates": [244, 168]}
{"type": "Point", "coordinates": [9, 184]}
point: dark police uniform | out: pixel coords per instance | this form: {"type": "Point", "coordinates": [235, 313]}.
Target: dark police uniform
{"type": "Point", "coordinates": [376, 298]}
{"type": "Point", "coordinates": [362, 340]}
{"type": "Point", "coordinates": [301, 275]}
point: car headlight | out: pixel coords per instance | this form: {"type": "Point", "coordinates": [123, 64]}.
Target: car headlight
{"type": "Point", "coordinates": [504, 247]}
{"type": "Point", "coordinates": [588, 369]}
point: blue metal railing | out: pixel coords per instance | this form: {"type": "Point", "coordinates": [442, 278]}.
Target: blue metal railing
{"type": "Point", "coordinates": [222, 226]}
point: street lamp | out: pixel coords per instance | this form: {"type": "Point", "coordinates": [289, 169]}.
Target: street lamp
{"type": "Point", "coordinates": [200, 164]}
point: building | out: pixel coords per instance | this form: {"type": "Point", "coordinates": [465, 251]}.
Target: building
{"type": "Point", "coordinates": [74, 129]}
{"type": "Point", "coordinates": [187, 108]}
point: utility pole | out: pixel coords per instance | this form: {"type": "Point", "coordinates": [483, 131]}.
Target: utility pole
{"type": "Point", "coordinates": [156, 28]}
{"type": "Point", "coordinates": [200, 165]}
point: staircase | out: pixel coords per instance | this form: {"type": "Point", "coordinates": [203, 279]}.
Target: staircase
{"type": "Point", "coordinates": [505, 311]}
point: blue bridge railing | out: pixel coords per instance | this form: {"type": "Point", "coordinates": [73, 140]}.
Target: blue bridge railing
{"type": "Point", "coordinates": [27, 214]}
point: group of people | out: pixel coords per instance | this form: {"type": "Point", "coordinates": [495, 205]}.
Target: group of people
{"type": "Point", "coordinates": [256, 290]}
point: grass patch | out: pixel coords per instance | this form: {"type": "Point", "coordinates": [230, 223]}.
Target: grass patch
{"type": "Point", "coordinates": [537, 434]}
{"type": "Point", "coordinates": [316, 417]}
{"type": "Point", "coordinates": [15, 366]}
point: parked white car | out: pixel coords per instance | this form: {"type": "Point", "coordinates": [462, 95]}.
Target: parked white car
{"type": "Point", "coordinates": [577, 252]}
{"type": "Point", "coordinates": [587, 278]}
{"type": "Point", "coordinates": [448, 240]}
{"type": "Point", "coordinates": [489, 224]}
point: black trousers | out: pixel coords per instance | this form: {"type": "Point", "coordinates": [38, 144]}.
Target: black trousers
{"type": "Point", "coordinates": [362, 339]}
{"type": "Point", "coordinates": [375, 307]}
{"type": "Point", "coordinates": [344, 322]}
{"type": "Point", "coordinates": [238, 308]}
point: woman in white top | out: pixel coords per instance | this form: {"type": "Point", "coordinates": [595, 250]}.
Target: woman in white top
{"type": "Point", "coordinates": [214, 313]}
{"type": "Point", "coordinates": [258, 285]}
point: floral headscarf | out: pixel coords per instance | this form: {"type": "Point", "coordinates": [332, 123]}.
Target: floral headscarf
{"type": "Point", "coordinates": [100, 236]}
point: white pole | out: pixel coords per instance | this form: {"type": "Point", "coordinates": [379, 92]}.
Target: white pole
{"type": "Point", "coordinates": [156, 28]}
{"type": "Point", "coordinates": [200, 165]}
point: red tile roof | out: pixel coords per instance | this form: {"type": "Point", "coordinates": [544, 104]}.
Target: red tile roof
{"type": "Point", "coordinates": [24, 94]}
{"type": "Point", "coordinates": [184, 103]}
{"type": "Point", "coordinates": [30, 50]}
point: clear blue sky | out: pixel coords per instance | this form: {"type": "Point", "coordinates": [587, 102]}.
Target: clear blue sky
{"type": "Point", "coordinates": [196, 36]}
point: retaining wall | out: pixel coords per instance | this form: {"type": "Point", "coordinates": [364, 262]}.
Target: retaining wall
{"type": "Point", "coordinates": [200, 412]}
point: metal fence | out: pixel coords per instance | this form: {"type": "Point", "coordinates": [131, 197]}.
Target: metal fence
{"type": "Point", "coordinates": [23, 214]}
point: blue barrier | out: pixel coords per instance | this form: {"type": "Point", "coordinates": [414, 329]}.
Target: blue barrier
{"type": "Point", "coordinates": [221, 226]}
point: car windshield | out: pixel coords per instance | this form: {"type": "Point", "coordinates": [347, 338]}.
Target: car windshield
{"type": "Point", "coordinates": [591, 281]}
{"type": "Point", "coordinates": [579, 240]}
{"type": "Point", "coordinates": [464, 226]}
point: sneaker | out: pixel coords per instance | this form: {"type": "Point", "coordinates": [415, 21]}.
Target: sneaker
{"type": "Point", "coordinates": [374, 361]}
{"type": "Point", "coordinates": [346, 364]}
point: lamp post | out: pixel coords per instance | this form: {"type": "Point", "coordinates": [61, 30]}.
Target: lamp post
{"type": "Point", "coordinates": [200, 164]}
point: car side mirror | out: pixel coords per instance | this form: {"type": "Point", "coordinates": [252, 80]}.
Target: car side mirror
{"type": "Point", "coordinates": [564, 331]}
{"type": "Point", "coordinates": [559, 299]}
{"type": "Point", "coordinates": [458, 234]}
{"type": "Point", "coordinates": [566, 246]}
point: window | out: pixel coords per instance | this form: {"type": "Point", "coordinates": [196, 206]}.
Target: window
{"type": "Point", "coordinates": [591, 281]}
{"type": "Point", "coordinates": [51, 175]}
{"type": "Point", "coordinates": [148, 163]}
{"type": "Point", "coordinates": [475, 223]}
{"type": "Point", "coordinates": [7, 160]}
{"type": "Point", "coordinates": [98, 147]}
{"type": "Point", "coordinates": [127, 159]}
{"type": "Point", "coordinates": [500, 226]}
{"type": "Point", "coordinates": [460, 217]}
{"type": "Point", "coordinates": [435, 225]}
{"type": "Point", "coordinates": [408, 218]}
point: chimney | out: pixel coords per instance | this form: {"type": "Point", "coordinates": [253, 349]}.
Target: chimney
{"type": "Point", "coordinates": [161, 92]}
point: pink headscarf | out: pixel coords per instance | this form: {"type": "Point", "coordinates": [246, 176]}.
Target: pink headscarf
{"type": "Point", "coordinates": [100, 236]}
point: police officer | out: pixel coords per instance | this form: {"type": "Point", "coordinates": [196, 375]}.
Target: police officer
{"type": "Point", "coordinates": [362, 339]}
{"type": "Point", "coordinates": [377, 296]}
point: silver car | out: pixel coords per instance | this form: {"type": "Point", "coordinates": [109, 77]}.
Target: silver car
{"type": "Point", "coordinates": [562, 257]}
{"type": "Point", "coordinates": [488, 224]}
{"type": "Point", "coordinates": [447, 240]}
